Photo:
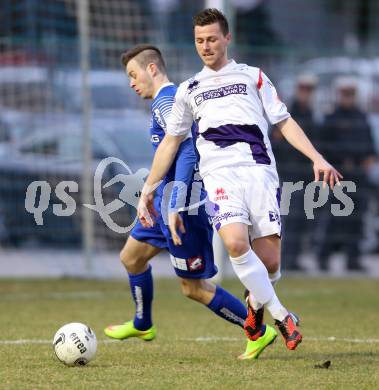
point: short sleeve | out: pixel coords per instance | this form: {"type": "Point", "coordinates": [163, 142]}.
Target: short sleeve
{"type": "Point", "coordinates": [275, 109]}
{"type": "Point", "coordinates": [162, 109]}
{"type": "Point", "coordinates": [181, 117]}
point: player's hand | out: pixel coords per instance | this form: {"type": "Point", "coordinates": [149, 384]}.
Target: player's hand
{"type": "Point", "coordinates": [175, 222]}
{"type": "Point", "coordinates": [145, 210]}
{"type": "Point", "coordinates": [330, 174]}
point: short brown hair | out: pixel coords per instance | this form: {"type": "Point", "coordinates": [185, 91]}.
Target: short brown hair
{"type": "Point", "coordinates": [210, 16]}
{"type": "Point", "coordinates": [147, 54]}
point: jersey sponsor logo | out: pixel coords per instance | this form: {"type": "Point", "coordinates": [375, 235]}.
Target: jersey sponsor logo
{"type": "Point", "coordinates": [139, 302]}
{"type": "Point", "coordinates": [220, 191]}
{"type": "Point", "coordinates": [154, 138]}
{"type": "Point", "coordinates": [228, 314]}
{"type": "Point", "coordinates": [274, 216]}
{"type": "Point", "coordinates": [232, 89]}
{"type": "Point", "coordinates": [159, 118]}
{"type": "Point", "coordinates": [193, 84]}
{"type": "Point", "coordinates": [229, 214]}
{"type": "Point", "coordinates": [220, 194]}
{"type": "Point", "coordinates": [195, 263]}
{"type": "Point", "coordinates": [179, 263]}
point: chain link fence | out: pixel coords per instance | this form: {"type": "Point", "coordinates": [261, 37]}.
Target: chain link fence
{"type": "Point", "coordinates": [310, 50]}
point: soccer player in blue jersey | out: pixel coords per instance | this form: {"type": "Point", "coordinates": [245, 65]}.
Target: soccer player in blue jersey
{"type": "Point", "coordinates": [193, 260]}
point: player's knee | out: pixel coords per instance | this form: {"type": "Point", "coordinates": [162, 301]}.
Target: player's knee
{"type": "Point", "coordinates": [236, 247]}
{"type": "Point", "coordinates": [272, 263]}
{"type": "Point", "coordinates": [133, 264]}
{"type": "Point", "coordinates": [187, 289]}
{"type": "Point", "coordinates": [191, 289]}
{"type": "Point", "coordinates": [271, 259]}
{"type": "Point", "coordinates": [125, 259]}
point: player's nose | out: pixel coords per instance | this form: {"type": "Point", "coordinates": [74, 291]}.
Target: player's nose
{"type": "Point", "coordinates": [206, 46]}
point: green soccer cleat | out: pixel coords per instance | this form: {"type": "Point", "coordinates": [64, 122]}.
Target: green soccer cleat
{"type": "Point", "coordinates": [124, 331]}
{"type": "Point", "coordinates": [255, 348]}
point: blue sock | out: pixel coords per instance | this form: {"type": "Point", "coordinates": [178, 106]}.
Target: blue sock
{"type": "Point", "coordinates": [141, 286]}
{"type": "Point", "coordinates": [228, 307]}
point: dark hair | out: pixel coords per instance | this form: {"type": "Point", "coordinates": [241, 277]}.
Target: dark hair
{"type": "Point", "coordinates": [145, 54]}
{"type": "Point", "coordinates": [210, 16]}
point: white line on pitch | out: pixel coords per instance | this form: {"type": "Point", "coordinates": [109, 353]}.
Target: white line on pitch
{"type": "Point", "coordinates": [204, 340]}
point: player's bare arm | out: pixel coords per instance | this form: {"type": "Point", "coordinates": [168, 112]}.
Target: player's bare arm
{"type": "Point", "coordinates": [162, 162]}
{"type": "Point", "coordinates": [294, 134]}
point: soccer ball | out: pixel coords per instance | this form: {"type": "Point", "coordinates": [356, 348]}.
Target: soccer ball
{"type": "Point", "coordinates": [75, 344]}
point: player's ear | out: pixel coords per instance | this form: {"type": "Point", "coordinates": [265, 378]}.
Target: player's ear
{"type": "Point", "coordinates": [228, 37]}
{"type": "Point", "coordinates": [152, 69]}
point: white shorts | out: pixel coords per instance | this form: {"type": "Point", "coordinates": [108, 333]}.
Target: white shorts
{"type": "Point", "coordinates": [246, 194]}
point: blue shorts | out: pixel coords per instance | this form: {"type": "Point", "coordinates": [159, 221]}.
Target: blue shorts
{"type": "Point", "coordinates": [194, 258]}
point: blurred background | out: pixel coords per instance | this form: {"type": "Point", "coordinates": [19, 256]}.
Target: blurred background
{"type": "Point", "coordinates": [65, 105]}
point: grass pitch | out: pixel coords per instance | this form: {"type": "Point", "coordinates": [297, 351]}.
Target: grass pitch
{"type": "Point", "coordinates": [194, 349]}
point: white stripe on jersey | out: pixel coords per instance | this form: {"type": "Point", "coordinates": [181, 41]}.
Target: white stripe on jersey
{"type": "Point", "coordinates": [161, 109]}
{"type": "Point", "coordinates": [232, 107]}
{"type": "Point", "coordinates": [164, 103]}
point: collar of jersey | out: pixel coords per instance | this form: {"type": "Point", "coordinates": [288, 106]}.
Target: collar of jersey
{"type": "Point", "coordinates": [161, 87]}
{"type": "Point", "coordinates": [230, 64]}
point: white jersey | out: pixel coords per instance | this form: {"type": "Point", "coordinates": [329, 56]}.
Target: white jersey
{"type": "Point", "coordinates": [232, 108]}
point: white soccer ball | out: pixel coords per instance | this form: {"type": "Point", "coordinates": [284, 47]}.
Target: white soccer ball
{"type": "Point", "coordinates": [75, 344]}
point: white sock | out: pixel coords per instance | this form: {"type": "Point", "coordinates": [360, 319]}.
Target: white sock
{"type": "Point", "coordinates": [274, 277]}
{"type": "Point", "coordinates": [253, 302]}
{"type": "Point", "coordinates": [254, 276]}
{"type": "Point", "coordinates": [274, 306]}
{"type": "Point", "coordinates": [276, 309]}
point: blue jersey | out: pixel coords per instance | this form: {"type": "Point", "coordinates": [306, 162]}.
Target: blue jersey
{"type": "Point", "coordinates": [194, 258]}
{"type": "Point", "coordinates": [184, 168]}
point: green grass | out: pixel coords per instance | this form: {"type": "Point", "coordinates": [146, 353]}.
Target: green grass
{"type": "Point", "coordinates": [346, 309]}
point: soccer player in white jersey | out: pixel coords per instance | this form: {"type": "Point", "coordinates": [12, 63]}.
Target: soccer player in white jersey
{"type": "Point", "coordinates": [193, 261]}
{"type": "Point", "coordinates": [231, 104]}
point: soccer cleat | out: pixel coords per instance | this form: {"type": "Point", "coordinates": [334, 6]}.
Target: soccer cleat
{"type": "Point", "coordinates": [124, 331]}
{"type": "Point", "coordinates": [295, 317]}
{"type": "Point", "coordinates": [255, 348]}
{"type": "Point", "coordinates": [289, 331]}
{"type": "Point", "coordinates": [254, 320]}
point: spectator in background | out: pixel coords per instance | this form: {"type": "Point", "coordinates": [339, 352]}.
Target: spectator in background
{"type": "Point", "coordinates": [296, 227]}
{"type": "Point", "coordinates": [348, 144]}
{"type": "Point", "coordinates": [254, 25]}
{"type": "Point", "coordinates": [177, 16]}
